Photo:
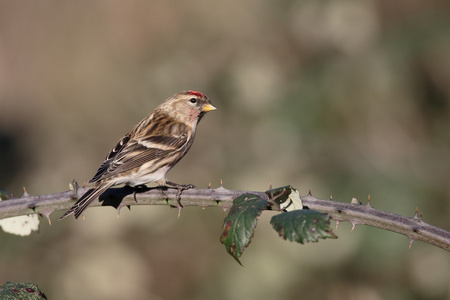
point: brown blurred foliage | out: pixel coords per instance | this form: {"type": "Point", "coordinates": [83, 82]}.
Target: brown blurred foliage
{"type": "Point", "coordinates": [345, 97]}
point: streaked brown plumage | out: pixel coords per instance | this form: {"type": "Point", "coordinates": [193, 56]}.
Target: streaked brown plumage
{"type": "Point", "coordinates": [151, 148]}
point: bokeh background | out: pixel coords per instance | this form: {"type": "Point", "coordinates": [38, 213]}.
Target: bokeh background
{"type": "Point", "coordinates": [346, 98]}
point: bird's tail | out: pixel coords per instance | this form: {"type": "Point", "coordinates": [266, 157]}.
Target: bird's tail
{"type": "Point", "coordinates": [78, 208]}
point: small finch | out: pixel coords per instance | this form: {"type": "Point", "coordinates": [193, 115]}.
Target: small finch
{"type": "Point", "coordinates": [151, 148]}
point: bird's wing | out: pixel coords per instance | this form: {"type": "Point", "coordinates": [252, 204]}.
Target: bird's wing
{"type": "Point", "coordinates": [134, 150]}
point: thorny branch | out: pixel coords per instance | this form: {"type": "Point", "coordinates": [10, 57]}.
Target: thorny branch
{"type": "Point", "coordinates": [412, 227]}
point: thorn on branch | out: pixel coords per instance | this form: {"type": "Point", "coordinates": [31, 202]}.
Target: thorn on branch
{"type": "Point", "coordinates": [368, 201]}
{"type": "Point", "coordinates": [416, 214]}
{"type": "Point", "coordinates": [418, 217]}
{"type": "Point", "coordinates": [25, 194]}
{"type": "Point", "coordinates": [46, 214]}
{"type": "Point", "coordinates": [353, 225]}
{"type": "Point", "coordinates": [118, 208]}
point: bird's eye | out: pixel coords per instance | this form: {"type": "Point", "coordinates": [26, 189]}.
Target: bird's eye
{"type": "Point", "coordinates": [193, 100]}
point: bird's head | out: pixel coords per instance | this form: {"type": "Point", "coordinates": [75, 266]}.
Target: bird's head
{"type": "Point", "coordinates": [188, 106]}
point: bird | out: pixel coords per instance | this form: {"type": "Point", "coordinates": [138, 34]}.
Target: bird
{"type": "Point", "coordinates": [150, 149]}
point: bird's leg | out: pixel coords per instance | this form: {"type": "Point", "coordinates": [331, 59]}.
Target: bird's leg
{"type": "Point", "coordinates": [163, 188]}
{"type": "Point", "coordinates": [180, 188]}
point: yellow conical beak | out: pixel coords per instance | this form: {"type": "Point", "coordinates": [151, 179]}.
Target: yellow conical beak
{"type": "Point", "coordinates": [208, 107]}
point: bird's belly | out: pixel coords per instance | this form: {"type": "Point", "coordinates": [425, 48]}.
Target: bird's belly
{"type": "Point", "coordinates": [141, 177]}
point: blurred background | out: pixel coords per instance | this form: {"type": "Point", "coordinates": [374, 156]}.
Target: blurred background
{"type": "Point", "coordinates": [346, 98]}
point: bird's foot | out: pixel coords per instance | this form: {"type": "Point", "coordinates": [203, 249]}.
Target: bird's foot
{"type": "Point", "coordinates": [180, 188]}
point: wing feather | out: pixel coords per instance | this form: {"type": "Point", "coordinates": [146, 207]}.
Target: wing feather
{"type": "Point", "coordinates": [160, 143]}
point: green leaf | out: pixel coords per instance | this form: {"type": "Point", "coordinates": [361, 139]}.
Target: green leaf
{"type": "Point", "coordinates": [303, 226]}
{"type": "Point", "coordinates": [286, 197]}
{"type": "Point", "coordinates": [239, 225]}
{"type": "Point", "coordinates": [13, 291]}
